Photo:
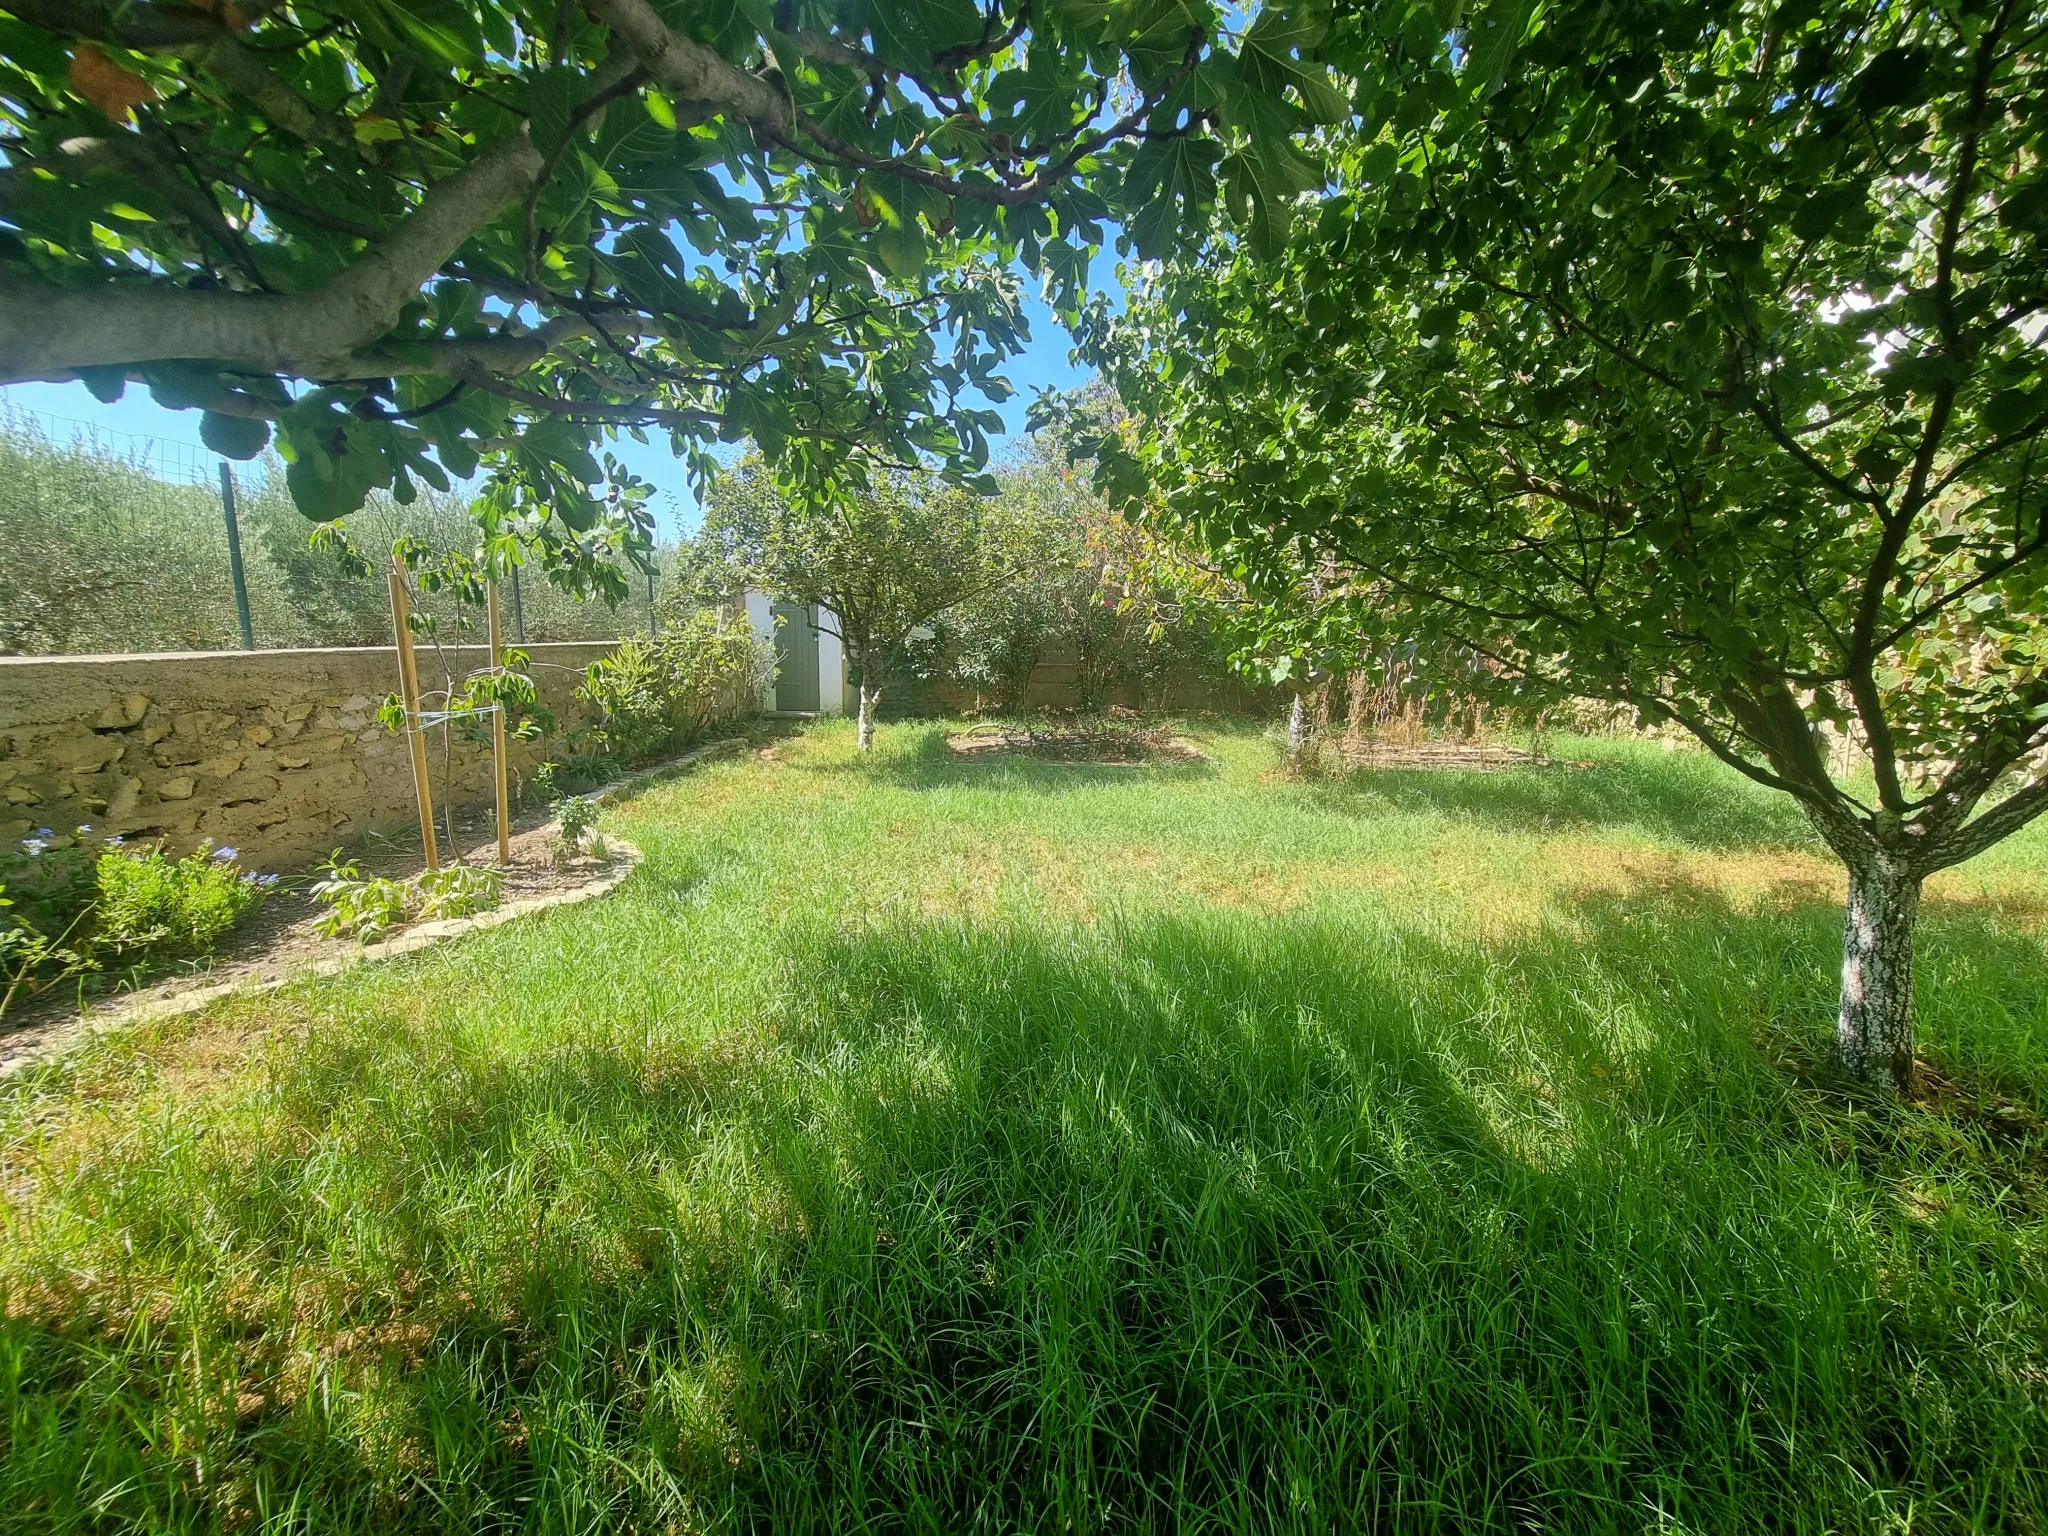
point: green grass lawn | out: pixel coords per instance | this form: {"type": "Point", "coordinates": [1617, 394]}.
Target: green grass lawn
{"type": "Point", "coordinates": [916, 1144]}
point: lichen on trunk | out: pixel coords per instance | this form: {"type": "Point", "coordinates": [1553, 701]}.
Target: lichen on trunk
{"type": "Point", "coordinates": [870, 699]}
{"type": "Point", "coordinates": [1874, 1027]}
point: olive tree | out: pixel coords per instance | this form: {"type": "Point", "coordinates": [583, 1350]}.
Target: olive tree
{"type": "Point", "coordinates": [416, 238]}
{"type": "Point", "coordinates": [1683, 355]}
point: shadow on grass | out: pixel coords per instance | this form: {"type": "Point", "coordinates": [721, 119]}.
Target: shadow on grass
{"type": "Point", "coordinates": [1244, 1223]}
{"type": "Point", "coordinates": [1684, 797]}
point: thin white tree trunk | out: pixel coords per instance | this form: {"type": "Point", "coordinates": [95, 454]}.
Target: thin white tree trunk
{"type": "Point", "coordinates": [1297, 731]}
{"type": "Point", "coordinates": [1874, 1030]}
{"type": "Point", "coordinates": [870, 698]}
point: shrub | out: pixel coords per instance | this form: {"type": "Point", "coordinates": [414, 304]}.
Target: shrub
{"type": "Point", "coordinates": [66, 904]}
{"type": "Point", "coordinates": [575, 816]}
{"type": "Point", "coordinates": [544, 784]}
{"type": "Point", "coordinates": [655, 696]}
{"type": "Point", "coordinates": [588, 769]}
{"type": "Point", "coordinates": [365, 908]}
{"type": "Point", "coordinates": [149, 902]}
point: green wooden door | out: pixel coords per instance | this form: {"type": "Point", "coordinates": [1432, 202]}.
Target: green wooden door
{"type": "Point", "coordinates": [796, 660]}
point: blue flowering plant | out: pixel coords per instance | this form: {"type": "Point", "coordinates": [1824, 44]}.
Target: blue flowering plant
{"type": "Point", "coordinates": [71, 904]}
{"type": "Point", "coordinates": [151, 905]}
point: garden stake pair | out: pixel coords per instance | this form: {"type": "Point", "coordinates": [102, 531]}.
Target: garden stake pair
{"type": "Point", "coordinates": [416, 721]}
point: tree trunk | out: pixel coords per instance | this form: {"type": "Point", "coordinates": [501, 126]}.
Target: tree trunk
{"type": "Point", "coordinates": [1297, 731]}
{"type": "Point", "coordinates": [1874, 1031]}
{"type": "Point", "coordinates": [870, 698]}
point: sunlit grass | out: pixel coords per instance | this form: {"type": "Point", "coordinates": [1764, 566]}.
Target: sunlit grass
{"type": "Point", "coordinates": [918, 1144]}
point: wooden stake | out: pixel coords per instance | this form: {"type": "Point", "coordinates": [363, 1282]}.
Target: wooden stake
{"type": "Point", "coordinates": [498, 739]}
{"type": "Point", "coordinates": [409, 690]}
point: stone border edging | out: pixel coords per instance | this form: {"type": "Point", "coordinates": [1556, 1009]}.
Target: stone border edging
{"type": "Point", "coordinates": [626, 858]}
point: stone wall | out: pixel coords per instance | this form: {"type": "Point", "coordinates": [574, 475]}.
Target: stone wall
{"type": "Point", "coordinates": [277, 753]}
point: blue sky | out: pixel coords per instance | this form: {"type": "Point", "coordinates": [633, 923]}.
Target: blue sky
{"type": "Point", "coordinates": [1045, 361]}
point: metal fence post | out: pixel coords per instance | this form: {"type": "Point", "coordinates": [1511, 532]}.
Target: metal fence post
{"type": "Point", "coordinates": [227, 506]}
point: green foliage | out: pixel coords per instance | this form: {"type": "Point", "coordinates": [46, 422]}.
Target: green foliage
{"type": "Point", "coordinates": [543, 784]}
{"type": "Point", "coordinates": [508, 688]}
{"type": "Point", "coordinates": [881, 562]}
{"type": "Point", "coordinates": [512, 690]}
{"type": "Point", "coordinates": [459, 890]}
{"type": "Point", "coordinates": [72, 904]}
{"type": "Point", "coordinates": [98, 553]}
{"type": "Point", "coordinates": [702, 224]}
{"type": "Point", "coordinates": [1689, 362]}
{"type": "Point", "coordinates": [49, 878]}
{"type": "Point", "coordinates": [705, 571]}
{"type": "Point", "coordinates": [150, 905]}
{"type": "Point", "coordinates": [577, 816]}
{"type": "Point", "coordinates": [32, 957]}
{"type": "Point", "coordinates": [336, 584]}
{"type": "Point", "coordinates": [656, 696]}
{"type": "Point", "coordinates": [995, 638]}
{"type": "Point", "coordinates": [368, 908]}
{"type": "Point", "coordinates": [104, 553]}
{"type": "Point", "coordinates": [1069, 593]}
{"type": "Point", "coordinates": [371, 907]}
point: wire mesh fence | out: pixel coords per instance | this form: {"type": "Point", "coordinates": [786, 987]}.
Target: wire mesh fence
{"type": "Point", "coordinates": [119, 542]}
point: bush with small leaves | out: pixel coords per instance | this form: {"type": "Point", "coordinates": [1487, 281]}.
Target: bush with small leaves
{"type": "Point", "coordinates": [656, 696]}
{"type": "Point", "coordinates": [32, 959]}
{"type": "Point", "coordinates": [543, 787]}
{"type": "Point", "coordinates": [576, 816]}
{"type": "Point", "coordinates": [152, 905]}
{"type": "Point", "coordinates": [49, 878]}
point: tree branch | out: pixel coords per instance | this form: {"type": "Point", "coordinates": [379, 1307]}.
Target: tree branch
{"type": "Point", "coordinates": [133, 155]}
{"type": "Point", "coordinates": [1712, 741]}
{"type": "Point", "coordinates": [187, 33]}
{"type": "Point", "coordinates": [50, 332]}
{"type": "Point", "coordinates": [627, 414]}
{"type": "Point", "coordinates": [694, 72]}
{"type": "Point", "coordinates": [1995, 825]}
{"type": "Point", "coordinates": [1002, 194]}
{"type": "Point", "coordinates": [835, 53]}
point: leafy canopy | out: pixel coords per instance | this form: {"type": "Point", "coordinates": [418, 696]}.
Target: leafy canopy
{"type": "Point", "coordinates": [1055, 598]}
{"type": "Point", "coordinates": [410, 239]}
{"type": "Point", "coordinates": [884, 560]}
{"type": "Point", "coordinates": [1687, 355]}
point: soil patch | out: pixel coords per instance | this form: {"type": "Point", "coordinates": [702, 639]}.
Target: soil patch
{"type": "Point", "coordinates": [1453, 756]}
{"type": "Point", "coordinates": [1110, 748]}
